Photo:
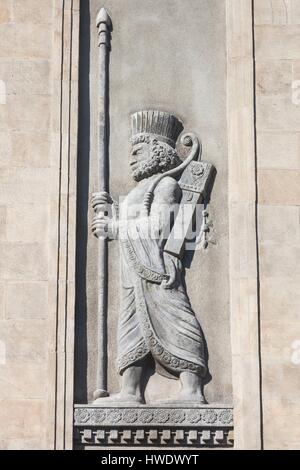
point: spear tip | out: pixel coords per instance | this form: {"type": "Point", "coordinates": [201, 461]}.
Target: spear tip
{"type": "Point", "coordinates": [103, 17]}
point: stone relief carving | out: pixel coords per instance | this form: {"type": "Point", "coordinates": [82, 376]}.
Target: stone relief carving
{"type": "Point", "coordinates": [154, 226]}
{"type": "Point", "coordinates": [156, 319]}
{"type": "Point", "coordinates": [145, 416]}
{"type": "Point", "coordinates": [147, 426]}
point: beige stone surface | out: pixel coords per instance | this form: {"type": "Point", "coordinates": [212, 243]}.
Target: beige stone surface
{"type": "Point", "coordinates": [280, 260]}
{"type": "Point", "coordinates": [24, 418]}
{"type": "Point", "coordinates": [27, 223]}
{"type": "Point", "coordinates": [31, 149]}
{"type": "Point", "coordinates": [277, 42]}
{"type": "Point", "coordinates": [278, 150]}
{"type": "Point", "coordinates": [25, 44]}
{"type": "Point", "coordinates": [5, 11]}
{"type": "Point", "coordinates": [280, 297]}
{"type": "Point", "coordinates": [19, 261]}
{"type": "Point", "coordinates": [274, 77]}
{"type": "Point", "coordinates": [278, 114]}
{"type": "Point", "coordinates": [25, 185]}
{"type": "Point", "coordinates": [242, 225]}
{"type": "Point", "coordinates": [24, 444]}
{"type": "Point", "coordinates": [279, 187]}
{"type": "Point", "coordinates": [3, 219]}
{"type": "Point", "coordinates": [277, 12]}
{"type": "Point", "coordinates": [22, 380]}
{"type": "Point", "coordinates": [27, 300]}
{"type": "Point", "coordinates": [276, 39]}
{"type": "Point", "coordinates": [2, 301]}
{"type": "Point", "coordinates": [279, 224]}
{"type": "Point", "coordinates": [25, 113]}
{"type": "Point", "coordinates": [278, 352]}
{"type": "Point", "coordinates": [33, 11]}
{"type": "Point", "coordinates": [281, 424]}
{"type": "Point", "coordinates": [26, 343]}
{"type": "Point", "coordinates": [5, 147]}
{"type": "Point", "coordinates": [30, 163]}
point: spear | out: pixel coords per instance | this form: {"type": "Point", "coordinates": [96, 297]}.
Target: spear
{"type": "Point", "coordinates": [104, 26]}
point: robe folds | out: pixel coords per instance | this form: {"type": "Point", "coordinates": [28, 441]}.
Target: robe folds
{"type": "Point", "coordinates": [154, 320]}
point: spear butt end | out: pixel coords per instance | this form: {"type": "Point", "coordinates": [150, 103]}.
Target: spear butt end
{"type": "Point", "coordinates": [100, 393]}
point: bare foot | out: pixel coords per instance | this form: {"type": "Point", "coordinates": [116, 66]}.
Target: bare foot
{"type": "Point", "coordinates": [120, 398]}
{"type": "Point", "coordinates": [192, 397]}
{"type": "Point", "coordinates": [184, 398]}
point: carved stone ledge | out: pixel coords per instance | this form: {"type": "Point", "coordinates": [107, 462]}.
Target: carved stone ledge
{"type": "Point", "coordinates": [160, 426]}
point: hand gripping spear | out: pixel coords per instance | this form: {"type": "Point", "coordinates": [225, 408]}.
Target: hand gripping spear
{"type": "Point", "coordinates": [104, 26]}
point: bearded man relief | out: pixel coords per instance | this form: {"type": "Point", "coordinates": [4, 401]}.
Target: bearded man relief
{"type": "Point", "coordinates": [156, 320]}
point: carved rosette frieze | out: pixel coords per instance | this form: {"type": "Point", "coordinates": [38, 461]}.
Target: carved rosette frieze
{"type": "Point", "coordinates": [144, 416]}
{"type": "Point", "coordinates": [145, 425]}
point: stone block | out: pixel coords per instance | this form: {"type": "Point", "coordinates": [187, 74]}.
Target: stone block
{"type": "Point", "coordinates": [295, 17]}
{"type": "Point", "coordinates": [26, 342]}
{"type": "Point", "coordinates": [18, 381]}
{"type": "Point", "coordinates": [23, 444]}
{"type": "Point", "coordinates": [243, 263]}
{"type": "Point", "coordinates": [27, 223]}
{"type": "Point", "coordinates": [276, 12]}
{"type": "Point", "coordinates": [23, 418]}
{"type": "Point", "coordinates": [6, 64]}
{"type": "Point", "coordinates": [278, 150]}
{"type": "Point", "coordinates": [30, 41]}
{"type": "Point", "coordinates": [280, 379]}
{"type": "Point", "coordinates": [26, 300]}
{"type": "Point", "coordinates": [30, 77]}
{"type": "Point", "coordinates": [279, 224]}
{"type": "Point", "coordinates": [3, 222]}
{"type": "Point", "coordinates": [192, 437]}
{"type": "Point", "coordinates": [277, 114]}
{"type": "Point", "coordinates": [244, 302]}
{"type": "Point", "coordinates": [279, 187]}
{"type": "Point", "coordinates": [279, 260]}
{"type": "Point", "coordinates": [278, 347]}
{"type": "Point", "coordinates": [33, 11]}
{"type": "Point", "coordinates": [5, 11]}
{"type": "Point", "coordinates": [281, 424]}
{"type": "Point", "coordinates": [280, 298]}
{"type": "Point", "coordinates": [3, 93]}
{"type": "Point", "coordinates": [26, 113]}
{"type": "Point", "coordinates": [2, 301]}
{"type": "Point", "coordinates": [30, 149]}
{"type": "Point", "coordinates": [25, 185]}
{"type": "Point", "coordinates": [5, 147]}
{"type": "Point", "coordinates": [277, 42]}
{"type": "Point", "coordinates": [126, 436]}
{"type": "Point", "coordinates": [19, 261]}
{"type": "Point", "coordinates": [274, 77]}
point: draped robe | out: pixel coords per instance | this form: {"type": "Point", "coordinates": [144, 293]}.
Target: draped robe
{"type": "Point", "coordinates": [155, 320]}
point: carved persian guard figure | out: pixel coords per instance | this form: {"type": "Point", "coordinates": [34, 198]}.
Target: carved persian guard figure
{"type": "Point", "coordinates": [156, 318]}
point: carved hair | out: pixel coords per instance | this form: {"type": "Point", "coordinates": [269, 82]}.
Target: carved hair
{"type": "Point", "coordinates": [163, 158]}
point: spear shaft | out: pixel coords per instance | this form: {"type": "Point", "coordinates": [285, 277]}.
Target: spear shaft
{"type": "Point", "coordinates": [104, 28]}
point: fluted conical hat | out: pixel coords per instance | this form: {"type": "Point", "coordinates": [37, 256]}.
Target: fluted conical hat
{"type": "Point", "coordinates": [166, 127]}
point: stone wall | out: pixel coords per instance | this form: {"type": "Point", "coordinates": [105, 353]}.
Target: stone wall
{"type": "Point", "coordinates": [35, 208]}
{"type": "Point", "coordinates": [277, 39]}
{"type": "Point", "coordinates": [27, 169]}
{"type": "Point", "coordinates": [38, 158]}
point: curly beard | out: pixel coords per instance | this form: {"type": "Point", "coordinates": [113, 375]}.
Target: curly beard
{"type": "Point", "coordinates": [163, 159]}
{"type": "Point", "coordinates": [146, 169]}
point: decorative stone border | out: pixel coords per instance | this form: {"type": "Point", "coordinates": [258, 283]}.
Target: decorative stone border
{"type": "Point", "coordinates": [204, 426]}
{"type": "Point", "coordinates": [153, 416]}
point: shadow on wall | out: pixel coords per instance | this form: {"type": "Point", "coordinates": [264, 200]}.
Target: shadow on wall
{"type": "Point", "coordinates": [80, 386]}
